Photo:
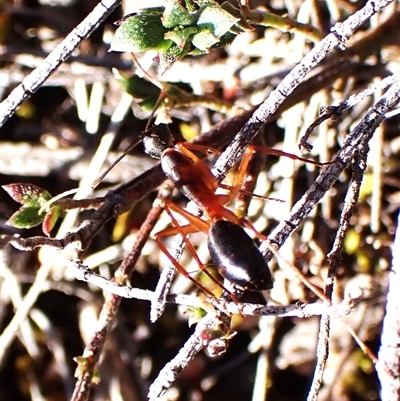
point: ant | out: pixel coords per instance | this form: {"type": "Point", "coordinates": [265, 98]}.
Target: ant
{"type": "Point", "coordinates": [231, 249]}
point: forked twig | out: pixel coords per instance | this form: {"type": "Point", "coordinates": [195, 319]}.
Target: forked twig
{"type": "Point", "coordinates": [340, 33]}
{"type": "Point", "coordinates": [362, 133]}
{"type": "Point", "coordinates": [334, 260]}
{"type": "Point", "coordinates": [334, 112]}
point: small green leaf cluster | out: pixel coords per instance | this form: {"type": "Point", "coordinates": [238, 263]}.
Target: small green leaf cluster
{"type": "Point", "coordinates": [32, 198]}
{"type": "Point", "coordinates": [175, 31]}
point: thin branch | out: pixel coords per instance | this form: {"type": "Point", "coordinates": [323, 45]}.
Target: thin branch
{"type": "Point", "coordinates": [334, 112]}
{"type": "Point", "coordinates": [88, 362]}
{"type": "Point", "coordinates": [36, 78]}
{"type": "Point", "coordinates": [362, 133]}
{"type": "Point", "coordinates": [334, 258]}
{"type": "Point", "coordinates": [388, 367]}
{"type": "Point", "coordinates": [340, 33]}
{"type": "Point", "coordinates": [202, 337]}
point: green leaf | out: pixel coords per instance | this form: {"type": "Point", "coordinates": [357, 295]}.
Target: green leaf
{"type": "Point", "coordinates": [138, 88]}
{"type": "Point", "coordinates": [214, 24]}
{"type": "Point", "coordinates": [204, 39]}
{"type": "Point", "coordinates": [140, 32]}
{"type": "Point", "coordinates": [28, 195]}
{"type": "Point", "coordinates": [195, 315]}
{"type": "Point", "coordinates": [26, 217]}
{"type": "Point", "coordinates": [218, 20]}
{"type": "Point", "coordinates": [180, 36]}
{"type": "Point", "coordinates": [50, 219]}
{"type": "Point", "coordinates": [171, 55]}
{"type": "Point", "coordinates": [175, 15]}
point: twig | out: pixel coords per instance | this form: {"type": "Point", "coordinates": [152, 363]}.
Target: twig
{"type": "Point", "coordinates": [36, 78]}
{"type": "Point", "coordinates": [376, 163]}
{"type": "Point", "coordinates": [334, 112]}
{"type": "Point", "coordinates": [165, 280]}
{"type": "Point", "coordinates": [362, 133]}
{"type": "Point", "coordinates": [388, 367]}
{"type": "Point", "coordinates": [87, 363]}
{"type": "Point", "coordinates": [334, 258]}
{"type": "Point", "coordinates": [197, 341]}
{"type": "Point", "coordinates": [340, 33]}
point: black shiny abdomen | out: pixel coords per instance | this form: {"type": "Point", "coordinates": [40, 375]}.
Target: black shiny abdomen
{"type": "Point", "coordinates": [237, 257]}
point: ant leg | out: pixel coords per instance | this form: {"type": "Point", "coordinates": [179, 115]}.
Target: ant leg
{"type": "Point", "coordinates": [278, 152]}
{"type": "Point", "coordinates": [207, 150]}
{"type": "Point", "coordinates": [170, 231]}
{"type": "Point", "coordinates": [183, 231]}
{"type": "Point", "coordinates": [247, 193]}
{"type": "Point", "coordinates": [223, 213]}
{"type": "Point", "coordinates": [193, 251]}
{"type": "Point", "coordinates": [195, 222]}
{"type": "Point", "coordinates": [202, 225]}
{"type": "Point", "coordinates": [242, 171]}
{"type": "Point", "coordinates": [181, 269]}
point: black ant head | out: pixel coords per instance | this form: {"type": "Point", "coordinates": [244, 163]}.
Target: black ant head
{"type": "Point", "coordinates": [156, 140]}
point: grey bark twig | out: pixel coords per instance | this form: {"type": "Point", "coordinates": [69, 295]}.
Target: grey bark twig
{"type": "Point", "coordinates": [36, 78]}
{"type": "Point", "coordinates": [334, 258]}
{"type": "Point", "coordinates": [362, 133]}
{"type": "Point", "coordinates": [340, 33]}
{"type": "Point", "coordinates": [388, 367]}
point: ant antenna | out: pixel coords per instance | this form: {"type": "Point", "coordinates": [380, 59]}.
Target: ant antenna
{"type": "Point", "coordinates": [161, 97]}
{"type": "Point", "coordinates": [119, 158]}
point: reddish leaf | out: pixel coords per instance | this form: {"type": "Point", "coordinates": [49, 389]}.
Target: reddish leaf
{"type": "Point", "coordinates": [28, 195]}
{"type": "Point", "coordinates": [50, 219]}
